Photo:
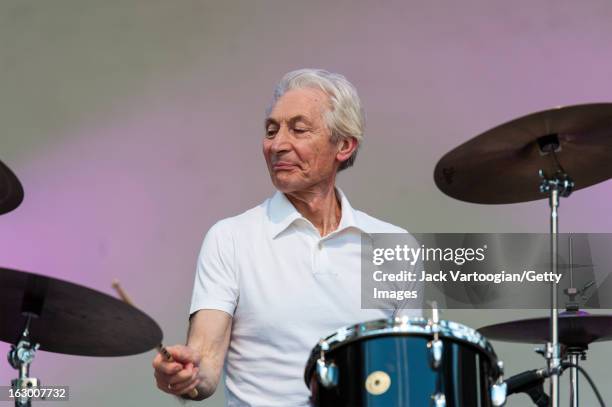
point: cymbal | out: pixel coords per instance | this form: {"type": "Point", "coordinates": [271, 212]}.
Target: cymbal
{"type": "Point", "coordinates": [11, 191]}
{"type": "Point", "coordinates": [73, 319]}
{"type": "Point", "coordinates": [501, 165]}
{"type": "Point", "coordinates": [575, 329]}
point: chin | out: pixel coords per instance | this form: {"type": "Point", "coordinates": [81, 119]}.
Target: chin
{"type": "Point", "coordinates": [286, 184]}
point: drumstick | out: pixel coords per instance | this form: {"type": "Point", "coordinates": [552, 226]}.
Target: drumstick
{"type": "Point", "coordinates": [160, 347]}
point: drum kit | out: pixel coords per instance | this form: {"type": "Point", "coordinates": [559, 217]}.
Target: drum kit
{"type": "Point", "coordinates": [394, 362]}
{"type": "Point", "coordinates": [431, 362]}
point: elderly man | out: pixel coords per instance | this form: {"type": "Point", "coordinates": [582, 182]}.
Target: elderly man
{"type": "Point", "coordinates": [272, 281]}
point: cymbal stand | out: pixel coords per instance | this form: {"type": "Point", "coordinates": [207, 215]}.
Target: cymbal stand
{"type": "Point", "coordinates": [20, 357]}
{"type": "Point", "coordinates": [559, 185]}
{"type": "Point", "coordinates": [575, 353]}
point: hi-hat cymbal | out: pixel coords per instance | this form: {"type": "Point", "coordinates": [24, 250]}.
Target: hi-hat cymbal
{"type": "Point", "coordinates": [11, 191]}
{"type": "Point", "coordinates": [73, 319]}
{"type": "Point", "coordinates": [575, 329]}
{"type": "Point", "coordinates": [501, 165]}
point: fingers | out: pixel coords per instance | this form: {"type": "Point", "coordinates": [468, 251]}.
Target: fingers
{"type": "Point", "coordinates": [180, 376]}
{"type": "Point", "coordinates": [184, 354]}
{"type": "Point", "coordinates": [186, 386]}
{"type": "Point", "coordinates": [163, 366]}
{"type": "Point", "coordinates": [183, 376]}
{"type": "Point", "coordinates": [180, 383]}
{"type": "Point", "coordinates": [162, 383]}
{"type": "Point", "coordinates": [180, 353]}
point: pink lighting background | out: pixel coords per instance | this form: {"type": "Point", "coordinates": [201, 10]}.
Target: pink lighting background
{"type": "Point", "coordinates": [134, 127]}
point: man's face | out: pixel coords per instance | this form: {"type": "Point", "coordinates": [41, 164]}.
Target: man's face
{"type": "Point", "coordinates": [297, 144]}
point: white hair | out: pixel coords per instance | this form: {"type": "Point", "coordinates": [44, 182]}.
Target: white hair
{"type": "Point", "coordinates": [346, 117]}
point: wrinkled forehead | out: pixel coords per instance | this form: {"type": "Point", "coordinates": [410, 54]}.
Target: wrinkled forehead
{"type": "Point", "coordinates": [310, 103]}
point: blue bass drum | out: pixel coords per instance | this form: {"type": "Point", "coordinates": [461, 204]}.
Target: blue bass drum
{"type": "Point", "coordinates": [405, 363]}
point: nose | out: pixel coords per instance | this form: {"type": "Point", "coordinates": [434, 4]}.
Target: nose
{"type": "Point", "coordinates": [281, 141]}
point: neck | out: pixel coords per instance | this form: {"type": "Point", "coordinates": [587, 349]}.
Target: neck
{"type": "Point", "coordinates": [320, 206]}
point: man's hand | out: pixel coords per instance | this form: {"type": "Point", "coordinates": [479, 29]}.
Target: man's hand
{"type": "Point", "coordinates": [200, 362]}
{"type": "Point", "coordinates": [181, 376]}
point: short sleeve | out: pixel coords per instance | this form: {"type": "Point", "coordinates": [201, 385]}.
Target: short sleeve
{"type": "Point", "coordinates": [216, 283]}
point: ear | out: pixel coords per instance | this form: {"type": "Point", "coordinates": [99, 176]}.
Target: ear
{"type": "Point", "coordinates": [346, 148]}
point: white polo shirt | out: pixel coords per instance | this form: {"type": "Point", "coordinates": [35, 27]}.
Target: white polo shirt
{"type": "Point", "coordinates": [286, 287]}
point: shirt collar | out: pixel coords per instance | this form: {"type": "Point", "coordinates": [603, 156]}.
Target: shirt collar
{"type": "Point", "coordinates": [282, 214]}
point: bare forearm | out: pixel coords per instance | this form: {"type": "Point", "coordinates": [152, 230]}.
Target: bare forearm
{"type": "Point", "coordinates": [212, 345]}
{"type": "Point", "coordinates": [207, 386]}
{"type": "Point", "coordinates": [211, 366]}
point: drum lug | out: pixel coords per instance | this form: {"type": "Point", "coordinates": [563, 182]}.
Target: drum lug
{"type": "Point", "coordinates": [438, 400]}
{"type": "Point", "coordinates": [435, 346]}
{"type": "Point", "coordinates": [498, 394]}
{"type": "Point", "coordinates": [499, 391]}
{"type": "Point", "coordinates": [435, 353]}
{"type": "Point", "coordinates": [327, 373]}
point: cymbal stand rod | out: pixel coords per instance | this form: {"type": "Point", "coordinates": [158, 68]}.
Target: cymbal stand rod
{"type": "Point", "coordinates": [559, 185]}
{"type": "Point", "coordinates": [573, 359]}
{"type": "Point", "coordinates": [571, 261]}
{"type": "Point", "coordinates": [573, 354]}
{"type": "Point", "coordinates": [554, 359]}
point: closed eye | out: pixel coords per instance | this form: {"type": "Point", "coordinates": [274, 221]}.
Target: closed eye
{"type": "Point", "coordinates": [300, 131]}
{"type": "Point", "coordinates": [271, 132]}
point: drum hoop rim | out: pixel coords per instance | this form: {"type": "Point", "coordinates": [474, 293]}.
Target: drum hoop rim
{"type": "Point", "coordinates": [397, 326]}
{"type": "Point", "coordinates": [447, 329]}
